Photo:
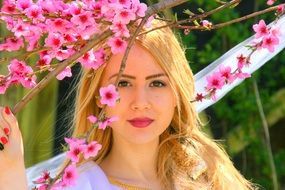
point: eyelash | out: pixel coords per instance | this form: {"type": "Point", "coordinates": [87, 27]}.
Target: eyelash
{"type": "Point", "coordinates": [162, 84]}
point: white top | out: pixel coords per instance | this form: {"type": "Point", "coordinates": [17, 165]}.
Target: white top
{"type": "Point", "coordinates": [92, 177]}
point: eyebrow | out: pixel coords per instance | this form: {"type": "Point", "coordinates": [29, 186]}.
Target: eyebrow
{"type": "Point", "coordinates": [133, 77]}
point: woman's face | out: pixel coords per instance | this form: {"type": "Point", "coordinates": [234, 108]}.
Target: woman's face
{"type": "Point", "coordinates": [147, 102]}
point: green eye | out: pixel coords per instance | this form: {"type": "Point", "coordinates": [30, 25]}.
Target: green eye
{"type": "Point", "coordinates": [157, 84]}
{"type": "Point", "coordinates": [123, 83]}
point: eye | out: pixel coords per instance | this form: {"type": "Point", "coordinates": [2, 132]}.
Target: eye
{"type": "Point", "coordinates": [123, 83]}
{"type": "Point", "coordinates": [157, 83]}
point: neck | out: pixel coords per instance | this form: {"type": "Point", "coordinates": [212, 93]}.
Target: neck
{"type": "Point", "coordinates": [127, 160]}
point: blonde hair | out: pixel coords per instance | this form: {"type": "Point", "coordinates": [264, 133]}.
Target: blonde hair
{"type": "Point", "coordinates": [188, 158]}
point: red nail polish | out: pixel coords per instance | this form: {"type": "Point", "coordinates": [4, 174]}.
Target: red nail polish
{"type": "Point", "coordinates": [4, 140]}
{"type": "Point", "coordinates": [6, 130]}
{"type": "Point", "coordinates": [7, 110]}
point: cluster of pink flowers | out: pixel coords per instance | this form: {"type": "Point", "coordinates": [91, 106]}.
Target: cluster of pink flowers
{"type": "Point", "coordinates": [267, 38]}
{"type": "Point", "coordinates": [63, 25]}
{"type": "Point", "coordinates": [77, 147]}
{"type": "Point", "coordinates": [19, 73]}
{"type": "Point", "coordinates": [104, 123]}
{"type": "Point", "coordinates": [224, 76]}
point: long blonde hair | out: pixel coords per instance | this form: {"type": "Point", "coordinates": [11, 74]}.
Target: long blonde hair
{"type": "Point", "coordinates": [188, 158]}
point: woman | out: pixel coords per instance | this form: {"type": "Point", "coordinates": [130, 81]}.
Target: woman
{"type": "Point", "coordinates": [156, 143]}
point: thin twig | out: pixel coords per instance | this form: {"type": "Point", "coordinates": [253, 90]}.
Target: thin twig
{"type": "Point", "coordinates": [200, 16]}
{"type": "Point", "coordinates": [267, 136]}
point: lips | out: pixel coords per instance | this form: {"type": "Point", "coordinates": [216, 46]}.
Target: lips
{"type": "Point", "coordinates": [141, 122]}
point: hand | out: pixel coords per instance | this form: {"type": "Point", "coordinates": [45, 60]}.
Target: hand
{"type": "Point", "coordinates": [12, 167]}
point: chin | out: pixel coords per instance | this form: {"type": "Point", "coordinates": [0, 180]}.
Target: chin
{"type": "Point", "coordinates": [140, 140]}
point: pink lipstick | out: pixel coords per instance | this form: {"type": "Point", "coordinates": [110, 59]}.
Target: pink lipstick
{"type": "Point", "coordinates": [140, 122]}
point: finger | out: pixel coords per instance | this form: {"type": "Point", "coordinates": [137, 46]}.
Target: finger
{"type": "Point", "coordinates": [5, 126]}
{"type": "Point", "coordinates": [3, 139]}
{"type": "Point", "coordinates": [3, 135]}
{"type": "Point", "coordinates": [10, 121]}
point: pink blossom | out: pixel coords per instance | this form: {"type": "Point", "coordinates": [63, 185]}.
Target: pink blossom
{"type": "Point", "coordinates": [58, 25]}
{"type": "Point", "coordinates": [270, 2]}
{"type": "Point", "coordinates": [239, 74]}
{"type": "Point", "coordinates": [12, 44]}
{"type": "Point", "coordinates": [44, 177]}
{"type": "Point", "coordinates": [54, 40]}
{"type": "Point", "coordinates": [64, 54]}
{"type": "Point", "coordinates": [89, 31]}
{"type": "Point", "coordinates": [269, 42]}
{"type": "Point", "coordinates": [43, 187]}
{"type": "Point", "coordinates": [83, 20]}
{"type": "Point", "coordinates": [21, 29]}
{"type": "Point", "coordinates": [29, 82]}
{"type": "Point", "coordinates": [92, 149]}
{"type": "Point", "coordinates": [276, 32]}
{"type": "Point", "coordinates": [22, 73]}
{"type": "Point", "coordinates": [45, 59]}
{"type": "Point", "coordinates": [100, 57]}
{"type": "Point", "coordinates": [65, 73]}
{"type": "Point", "coordinates": [139, 8]}
{"type": "Point", "coordinates": [241, 61]}
{"type": "Point", "coordinates": [149, 21]}
{"type": "Point", "coordinates": [96, 7]}
{"type": "Point", "coordinates": [75, 151]}
{"type": "Point", "coordinates": [120, 30]}
{"type": "Point", "coordinates": [89, 60]}
{"type": "Point", "coordinates": [92, 119]}
{"type": "Point", "coordinates": [49, 6]}
{"type": "Point", "coordinates": [73, 9]}
{"type": "Point", "coordinates": [32, 40]}
{"type": "Point", "coordinates": [260, 29]}
{"type": "Point", "coordinates": [73, 141]}
{"type": "Point", "coordinates": [215, 81]}
{"type": "Point", "coordinates": [213, 94]}
{"type": "Point", "coordinates": [70, 175]}
{"type": "Point", "coordinates": [93, 60]}
{"type": "Point", "coordinates": [9, 7]}
{"type": "Point", "coordinates": [69, 38]}
{"type": "Point", "coordinates": [226, 73]}
{"type": "Point", "coordinates": [124, 16]}
{"type": "Point", "coordinates": [107, 121]}
{"type": "Point", "coordinates": [108, 10]}
{"type": "Point", "coordinates": [34, 12]}
{"type": "Point", "coordinates": [199, 97]}
{"type": "Point", "coordinates": [4, 84]}
{"type": "Point", "coordinates": [125, 3]}
{"type": "Point", "coordinates": [43, 62]}
{"type": "Point", "coordinates": [109, 95]}
{"type": "Point", "coordinates": [24, 4]}
{"type": "Point", "coordinates": [117, 45]}
{"type": "Point", "coordinates": [280, 8]}
{"type": "Point", "coordinates": [207, 24]}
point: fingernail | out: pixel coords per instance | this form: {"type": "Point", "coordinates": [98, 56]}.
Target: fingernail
{"type": "Point", "coordinates": [6, 130]}
{"type": "Point", "coordinates": [7, 110]}
{"type": "Point", "coordinates": [4, 140]}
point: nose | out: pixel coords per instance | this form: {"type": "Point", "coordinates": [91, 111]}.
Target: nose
{"type": "Point", "coordinates": [140, 99]}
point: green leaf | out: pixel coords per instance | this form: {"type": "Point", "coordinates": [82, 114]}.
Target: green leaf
{"type": "Point", "coordinates": [201, 10]}
{"type": "Point", "coordinates": [188, 12]}
{"type": "Point", "coordinates": [196, 23]}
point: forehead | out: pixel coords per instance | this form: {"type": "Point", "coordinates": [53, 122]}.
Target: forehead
{"type": "Point", "coordinates": [140, 62]}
